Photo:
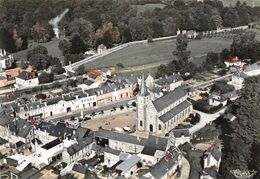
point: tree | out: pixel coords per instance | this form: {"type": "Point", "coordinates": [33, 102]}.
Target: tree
{"type": "Point", "coordinates": [39, 61]}
{"type": "Point", "coordinates": [64, 46]}
{"type": "Point", "coordinates": [81, 70]}
{"type": "Point", "coordinates": [140, 28]}
{"type": "Point", "coordinates": [46, 78]}
{"type": "Point", "coordinates": [241, 137]}
{"type": "Point", "coordinates": [6, 41]}
{"type": "Point", "coordinates": [181, 52]}
{"type": "Point", "coordinates": [231, 18]}
{"type": "Point", "coordinates": [37, 50]}
{"type": "Point", "coordinates": [224, 54]}
{"type": "Point", "coordinates": [77, 45]}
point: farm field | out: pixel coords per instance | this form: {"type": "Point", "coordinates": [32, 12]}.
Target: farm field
{"type": "Point", "coordinates": [160, 51]}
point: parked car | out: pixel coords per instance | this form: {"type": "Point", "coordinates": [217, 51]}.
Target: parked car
{"type": "Point", "coordinates": [86, 118]}
{"type": "Point", "coordinates": [93, 114]}
{"type": "Point", "coordinates": [101, 112]}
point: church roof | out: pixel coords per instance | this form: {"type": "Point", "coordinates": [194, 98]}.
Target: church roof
{"type": "Point", "coordinates": [173, 112]}
{"type": "Point", "coordinates": [168, 99]}
{"type": "Point", "coordinates": [143, 90]}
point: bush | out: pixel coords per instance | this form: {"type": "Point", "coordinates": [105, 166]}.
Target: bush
{"type": "Point", "coordinates": [120, 65]}
{"type": "Point", "coordinates": [46, 77]}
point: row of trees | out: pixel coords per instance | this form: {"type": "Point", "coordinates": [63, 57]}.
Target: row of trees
{"type": "Point", "coordinates": [109, 21]}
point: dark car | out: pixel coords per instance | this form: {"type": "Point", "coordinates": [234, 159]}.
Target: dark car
{"type": "Point", "coordinates": [72, 118]}
{"type": "Point", "coordinates": [93, 114]}
{"type": "Point", "coordinates": [101, 112]}
{"type": "Point", "coordinates": [86, 118]}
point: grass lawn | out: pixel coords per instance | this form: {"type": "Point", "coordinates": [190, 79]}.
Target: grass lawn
{"type": "Point", "coordinates": [52, 47]}
{"type": "Point", "coordinates": [160, 51]}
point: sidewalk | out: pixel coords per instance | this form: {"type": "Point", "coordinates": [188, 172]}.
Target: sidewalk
{"type": "Point", "coordinates": [185, 169]}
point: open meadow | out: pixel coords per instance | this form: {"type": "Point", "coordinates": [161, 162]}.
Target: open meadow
{"type": "Point", "coordinates": [157, 52]}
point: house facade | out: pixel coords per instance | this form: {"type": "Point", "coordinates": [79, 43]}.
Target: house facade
{"type": "Point", "coordinates": [6, 60]}
{"type": "Point", "coordinates": [26, 80]}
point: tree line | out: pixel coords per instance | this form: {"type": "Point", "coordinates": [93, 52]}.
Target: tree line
{"type": "Point", "coordinates": [110, 22]}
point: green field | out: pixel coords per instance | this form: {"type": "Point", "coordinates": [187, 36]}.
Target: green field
{"type": "Point", "coordinates": [52, 47]}
{"type": "Point", "coordinates": [157, 52]}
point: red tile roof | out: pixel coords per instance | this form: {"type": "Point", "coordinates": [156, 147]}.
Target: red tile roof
{"type": "Point", "coordinates": [232, 60]}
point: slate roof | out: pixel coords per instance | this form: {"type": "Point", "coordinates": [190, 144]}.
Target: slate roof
{"type": "Point", "coordinates": [232, 94]}
{"type": "Point", "coordinates": [102, 133]}
{"type": "Point", "coordinates": [88, 82]}
{"type": "Point", "coordinates": [166, 100]}
{"type": "Point", "coordinates": [80, 145]}
{"type": "Point", "coordinates": [57, 130]}
{"type": "Point", "coordinates": [210, 171]}
{"type": "Point", "coordinates": [38, 141]}
{"type": "Point", "coordinates": [25, 75]}
{"type": "Point", "coordinates": [163, 166]}
{"type": "Point", "coordinates": [181, 132]}
{"type": "Point", "coordinates": [52, 144]}
{"type": "Point", "coordinates": [216, 153]}
{"type": "Point", "coordinates": [79, 168]}
{"type": "Point", "coordinates": [128, 163]}
{"type": "Point", "coordinates": [20, 128]}
{"type": "Point", "coordinates": [5, 118]}
{"type": "Point", "coordinates": [167, 80]}
{"type": "Point", "coordinates": [111, 151]}
{"type": "Point", "coordinates": [153, 144]}
{"type": "Point", "coordinates": [174, 111]}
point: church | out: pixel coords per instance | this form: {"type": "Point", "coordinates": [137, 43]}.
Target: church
{"type": "Point", "coordinates": [159, 115]}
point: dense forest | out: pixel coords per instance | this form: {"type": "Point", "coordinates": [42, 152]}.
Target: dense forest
{"type": "Point", "coordinates": [112, 21]}
{"type": "Point", "coordinates": [241, 138]}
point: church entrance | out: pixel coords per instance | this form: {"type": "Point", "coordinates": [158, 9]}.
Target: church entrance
{"type": "Point", "coordinates": [151, 128]}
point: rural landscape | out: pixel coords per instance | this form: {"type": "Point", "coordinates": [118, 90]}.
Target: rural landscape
{"type": "Point", "coordinates": [149, 89]}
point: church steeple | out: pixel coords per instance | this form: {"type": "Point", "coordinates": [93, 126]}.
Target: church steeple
{"type": "Point", "coordinates": [143, 91]}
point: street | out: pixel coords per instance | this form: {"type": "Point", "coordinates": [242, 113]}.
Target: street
{"type": "Point", "coordinates": [90, 110]}
{"type": "Point", "coordinates": [205, 119]}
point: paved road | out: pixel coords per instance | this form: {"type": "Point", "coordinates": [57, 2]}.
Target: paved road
{"type": "Point", "coordinates": [185, 171]}
{"type": "Point", "coordinates": [205, 119]}
{"type": "Point", "coordinates": [109, 106]}
{"type": "Point", "coordinates": [210, 82]}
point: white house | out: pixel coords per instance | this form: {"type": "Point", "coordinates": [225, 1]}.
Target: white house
{"type": "Point", "coordinates": [217, 99]}
{"type": "Point", "coordinates": [167, 166]}
{"type": "Point", "coordinates": [248, 71]}
{"type": "Point", "coordinates": [26, 80]}
{"type": "Point", "coordinates": [127, 167]}
{"type": "Point", "coordinates": [180, 136]}
{"type": "Point", "coordinates": [6, 60]}
{"type": "Point", "coordinates": [169, 83]}
{"type": "Point", "coordinates": [212, 157]}
{"type": "Point", "coordinates": [236, 62]}
{"type": "Point", "coordinates": [61, 104]}
{"type": "Point", "coordinates": [101, 49]}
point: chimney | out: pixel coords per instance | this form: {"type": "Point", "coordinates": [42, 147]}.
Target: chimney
{"type": "Point", "coordinates": [33, 74]}
{"type": "Point", "coordinates": [27, 76]}
{"type": "Point", "coordinates": [212, 146]}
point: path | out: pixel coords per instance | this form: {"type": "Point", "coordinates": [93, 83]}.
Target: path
{"type": "Point", "coordinates": [185, 172]}
{"type": "Point", "coordinates": [205, 119]}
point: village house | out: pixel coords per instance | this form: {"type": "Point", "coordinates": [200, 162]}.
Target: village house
{"type": "Point", "coordinates": [159, 116]}
{"type": "Point", "coordinates": [26, 80]}
{"type": "Point", "coordinates": [216, 99]}
{"type": "Point", "coordinates": [247, 71]}
{"type": "Point", "coordinates": [101, 49]}
{"type": "Point", "coordinates": [127, 167]}
{"type": "Point", "coordinates": [169, 83]}
{"type": "Point", "coordinates": [167, 166]}
{"type": "Point", "coordinates": [233, 62]}
{"type": "Point", "coordinates": [6, 60]}
{"type": "Point", "coordinates": [57, 105]}
{"type": "Point", "coordinates": [180, 136]}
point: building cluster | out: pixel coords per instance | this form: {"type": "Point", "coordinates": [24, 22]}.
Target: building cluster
{"type": "Point", "coordinates": [161, 105]}
{"type": "Point", "coordinates": [40, 144]}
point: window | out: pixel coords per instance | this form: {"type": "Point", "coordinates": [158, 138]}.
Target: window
{"type": "Point", "coordinates": [151, 128]}
{"type": "Point", "coordinates": [160, 127]}
{"type": "Point", "coordinates": [141, 123]}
